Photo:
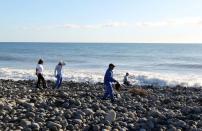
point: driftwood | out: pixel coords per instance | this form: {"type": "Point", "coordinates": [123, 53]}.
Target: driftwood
{"type": "Point", "coordinates": [138, 91]}
{"type": "Point", "coordinates": [134, 90]}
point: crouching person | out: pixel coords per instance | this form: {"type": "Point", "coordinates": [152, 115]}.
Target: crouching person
{"type": "Point", "coordinates": [126, 81]}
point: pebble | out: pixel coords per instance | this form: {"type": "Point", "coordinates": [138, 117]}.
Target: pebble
{"type": "Point", "coordinates": [88, 111]}
{"type": "Point", "coordinates": [78, 121]}
{"type": "Point", "coordinates": [51, 124]}
{"type": "Point", "coordinates": [78, 106]}
{"type": "Point", "coordinates": [35, 126]}
{"type": "Point", "coordinates": [25, 123]}
{"type": "Point", "coordinates": [110, 116]}
{"type": "Point", "coordinates": [77, 103]}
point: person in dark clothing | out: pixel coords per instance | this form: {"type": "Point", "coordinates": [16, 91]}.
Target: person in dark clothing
{"type": "Point", "coordinates": [39, 73]}
{"type": "Point", "coordinates": [108, 80]}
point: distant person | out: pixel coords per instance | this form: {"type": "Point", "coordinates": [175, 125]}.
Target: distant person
{"type": "Point", "coordinates": [108, 81]}
{"type": "Point", "coordinates": [58, 74]}
{"type": "Point", "coordinates": [39, 73]}
{"type": "Point", "coordinates": [126, 81]}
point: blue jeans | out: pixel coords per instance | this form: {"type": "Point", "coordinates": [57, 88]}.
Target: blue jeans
{"type": "Point", "coordinates": [108, 91]}
{"type": "Point", "coordinates": [58, 81]}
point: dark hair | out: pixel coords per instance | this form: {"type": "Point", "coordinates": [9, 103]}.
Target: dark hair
{"type": "Point", "coordinates": [40, 61]}
{"type": "Point", "coordinates": [111, 65]}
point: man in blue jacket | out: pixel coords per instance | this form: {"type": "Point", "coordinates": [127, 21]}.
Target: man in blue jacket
{"type": "Point", "coordinates": [108, 80]}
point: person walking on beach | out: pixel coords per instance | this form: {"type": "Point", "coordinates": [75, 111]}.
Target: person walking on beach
{"type": "Point", "coordinates": [39, 73]}
{"type": "Point", "coordinates": [108, 80]}
{"type": "Point", "coordinates": [58, 74]}
{"type": "Point", "coordinates": [125, 80]}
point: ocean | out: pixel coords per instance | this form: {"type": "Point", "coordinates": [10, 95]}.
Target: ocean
{"type": "Point", "coordinates": [148, 64]}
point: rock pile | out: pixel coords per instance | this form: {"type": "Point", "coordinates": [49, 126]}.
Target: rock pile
{"type": "Point", "coordinates": [77, 106]}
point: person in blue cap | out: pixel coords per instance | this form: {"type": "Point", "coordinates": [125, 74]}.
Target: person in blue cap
{"type": "Point", "coordinates": [108, 81]}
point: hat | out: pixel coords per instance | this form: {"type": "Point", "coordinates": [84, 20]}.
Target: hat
{"type": "Point", "coordinates": [111, 65]}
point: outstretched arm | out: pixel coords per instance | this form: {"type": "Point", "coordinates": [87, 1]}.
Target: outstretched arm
{"type": "Point", "coordinates": [111, 78]}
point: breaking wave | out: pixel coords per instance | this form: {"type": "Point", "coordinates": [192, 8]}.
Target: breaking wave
{"type": "Point", "coordinates": [93, 76]}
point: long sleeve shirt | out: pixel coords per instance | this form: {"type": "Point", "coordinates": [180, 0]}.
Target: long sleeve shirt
{"type": "Point", "coordinates": [125, 79]}
{"type": "Point", "coordinates": [58, 70]}
{"type": "Point", "coordinates": [109, 76]}
{"type": "Point", "coordinates": [39, 69]}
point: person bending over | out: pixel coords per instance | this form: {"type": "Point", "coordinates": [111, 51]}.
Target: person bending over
{"type": "Point", "coordinates": [108, 81]}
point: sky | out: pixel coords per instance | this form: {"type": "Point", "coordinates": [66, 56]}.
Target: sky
{"type": "Point", "coordinates": [133, 21]}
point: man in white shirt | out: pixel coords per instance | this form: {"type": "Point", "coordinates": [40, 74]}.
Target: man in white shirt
{"type": "Point", "coordinates": [39, 73]}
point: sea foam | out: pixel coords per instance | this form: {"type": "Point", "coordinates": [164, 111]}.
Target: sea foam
{"type": "Point", "coordinates": [93, 76]}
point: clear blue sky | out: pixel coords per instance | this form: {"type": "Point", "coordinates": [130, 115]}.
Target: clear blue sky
{"type": "Point", "coordinates": [101, 20]}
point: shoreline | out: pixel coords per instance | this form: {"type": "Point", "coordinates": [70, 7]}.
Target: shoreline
{"type": "Point", "coordinates": [64, 82]}
{"type": "Point", "coordinates": [77, 106]}
{"type": "Point", "coordinates": [94, 76]}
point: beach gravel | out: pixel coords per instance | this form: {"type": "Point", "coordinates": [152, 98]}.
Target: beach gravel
{"type": "Point", "coordinates": [78, 106]}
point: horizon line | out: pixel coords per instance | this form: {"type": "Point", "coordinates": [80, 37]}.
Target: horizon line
{"type": "Point", "coordinates": [101, 42]}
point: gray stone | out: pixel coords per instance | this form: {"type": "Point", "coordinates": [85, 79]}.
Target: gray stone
{"type": "Point", "coordinates": [8, 107]}
{"type": "Point", "coordinates": [88, 111]}
{"type": "Point", "coordinates": [124, 124]}
{"type": "Point", "coordinates": [25, 123]}
{"type": "Point", "coordinates": [66, 104]}
{"type": "Point", "coordinates": [77, 103]}
{"type": "Point", "coordinates": [1, 105]}
{"type": "Point", "coordinates": [181, 123]}
{"type": "Point", "coordinates": [172, 128]}
{"type": "Point", "coordinates": [30, 114]}
{"type": "Point", "coordinates": [142, 129]}
{"type": "Point", "coordinates": [35, 126]}
{"type": "Point", "coordinates": [100, 112]}
{"type": "Point", "coordinates": [78, 121]}
{"type": "Point", "coordinates": [70, 127]}
{"type": "Point", "coordinates": [79, 113]}
{"type": "Point", "coordinates": [95, 107]}
{"type": "Point", "coordinates": [78, 116]}
{"type": "Point", "coordinates": [68, 114]}
{"type": "Point", "coordinates": [28, 105]}
{"type": "Point", "coordinates": [110, 116]}
{"type": "Point", "coordinates": [64, 95]}
{"type": "Point", "coordinates": [150, 124]}
{"type": "Point", "coordinates": [96, 128]}
{"type": "Point", "coordinates": [51, 124]}
{"type": "Point", "coordinates": [155, 113]}
{"type": "Point", "coordinates": [20, 101]}
{"type": "Point", "coordinates": [197, 109]}
{"type": "Point", "coordinates": [27, 129]}
{"type": "Point", "coordinates": [54, 128]}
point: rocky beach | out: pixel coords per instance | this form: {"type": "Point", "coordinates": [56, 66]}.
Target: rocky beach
{"type": "Point", "coordinates": [78, 106]}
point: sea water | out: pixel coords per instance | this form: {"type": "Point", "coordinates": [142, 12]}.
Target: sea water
{"type": "Point", "coordinates": [157, 64]}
